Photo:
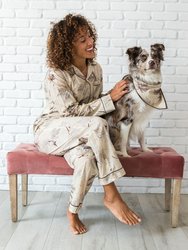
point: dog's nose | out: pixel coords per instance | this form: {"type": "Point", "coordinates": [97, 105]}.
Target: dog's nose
{"type": "Point", "coordinates": [151, 63]}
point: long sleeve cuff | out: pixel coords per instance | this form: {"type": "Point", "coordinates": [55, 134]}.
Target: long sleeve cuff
{"type": "Point", "coordinates": [107, 103]}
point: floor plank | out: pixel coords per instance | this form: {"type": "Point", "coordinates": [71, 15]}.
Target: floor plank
{"type": "Point", "coordinates": [138, 236]}
{"type": "Point", "coordinates": [59, 235]}
{"type": "Point", "coordinates": [183, 204]}
{"type": "Point", "coordinates": [4, 196]}
{"type": "Point", "coordinates": [33, 229]}
{"type": "Point", "coordinates": [159, 223]}
{"type": "Point", "coordinates": [163, 235]}
{"type": "Point", "coordinates": [43, 224]}
{"type": "Point", "coordinates": [101, 225]}
{"type": "Point", "coordinates": [7, 227]}
{"type": "Point", "coordinates": [152, 202]}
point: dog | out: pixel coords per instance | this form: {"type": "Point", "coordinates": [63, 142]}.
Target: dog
{"type": "Point", "coordinates": [133, 110]}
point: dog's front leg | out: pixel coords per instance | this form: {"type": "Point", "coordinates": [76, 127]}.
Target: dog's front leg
{"type": "Point", "coordinates": [142, 143]}
{"type": "Point", "coordinates": [124, 138]}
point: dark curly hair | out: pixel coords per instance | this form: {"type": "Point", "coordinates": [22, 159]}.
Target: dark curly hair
{"type": "Point", "coordinates": [60, 40]}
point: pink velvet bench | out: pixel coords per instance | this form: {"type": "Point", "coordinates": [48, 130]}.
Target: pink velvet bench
{"type": "Point", "coordinates": [163, 162]}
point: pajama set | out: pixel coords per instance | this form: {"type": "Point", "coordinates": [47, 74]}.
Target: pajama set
{"type": "Point", "coordinates": [70, 125]}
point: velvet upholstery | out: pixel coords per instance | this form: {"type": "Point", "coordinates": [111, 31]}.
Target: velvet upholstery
{"type": "Point", "coordinates": [163, 162]}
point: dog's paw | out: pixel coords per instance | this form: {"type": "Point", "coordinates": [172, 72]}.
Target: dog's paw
{"type": "Point", "coordinates": [123, 154]}
{"type": "Point", "coordinates": [147, 150]}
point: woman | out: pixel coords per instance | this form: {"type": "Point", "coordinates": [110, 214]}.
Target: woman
{"type": "Point", "coordinates": [71, 124]}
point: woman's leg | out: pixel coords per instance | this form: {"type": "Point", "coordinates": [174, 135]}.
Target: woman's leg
{"type": "Point", "coordinates": [83, 161]}
{"type": "Point", "coordinates": [114, 202]}
{"type": "Point", "coordinates": [108, 163]}
{"type": "Point", "coordinates": [61, 135]}
{"type": "Point", "coordinates": [65, 134]}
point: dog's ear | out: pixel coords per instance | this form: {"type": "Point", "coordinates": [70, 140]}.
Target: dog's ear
{"type": "Point", "coordinates": [133, 53]}
{"type": "Point", "coordinates": [157, 50]}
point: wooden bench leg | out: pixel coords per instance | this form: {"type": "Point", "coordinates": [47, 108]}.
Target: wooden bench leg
{"type": "Point", "coordinates": [13, 196]}
{"type": "Point", "coordinates": [24, 189]}
{"type": "Point", "coordinates": [175, 201]}
{"type": "Point", "coordinates": [167, 194]}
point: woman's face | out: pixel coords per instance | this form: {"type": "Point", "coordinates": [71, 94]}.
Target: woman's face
{"type": "Point", "coordinates": [83, 45]}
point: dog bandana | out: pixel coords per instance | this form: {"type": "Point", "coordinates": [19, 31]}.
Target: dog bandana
{"type": "Point", "coordinates": [151, 94]}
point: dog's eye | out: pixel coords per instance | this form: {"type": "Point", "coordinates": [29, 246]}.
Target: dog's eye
{"type": "Point", "coordinates": [143, 58]}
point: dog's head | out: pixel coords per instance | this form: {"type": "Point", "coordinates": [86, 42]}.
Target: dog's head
{"type": "Point", "coordinates": [141, 60]}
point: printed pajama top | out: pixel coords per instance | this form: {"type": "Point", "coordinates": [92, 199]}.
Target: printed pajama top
{"type": "Point", "coordinates": [69, 93]}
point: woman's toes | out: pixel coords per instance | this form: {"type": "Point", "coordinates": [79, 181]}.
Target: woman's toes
{"type": "Point", "coordinates": [75, 232]}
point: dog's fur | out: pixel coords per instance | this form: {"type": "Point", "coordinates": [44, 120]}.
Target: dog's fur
{"type": "Point", "coordinates": [131, 116]}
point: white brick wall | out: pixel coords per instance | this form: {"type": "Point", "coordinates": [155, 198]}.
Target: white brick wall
{"type": "Point", "coordinates": [24, 26]}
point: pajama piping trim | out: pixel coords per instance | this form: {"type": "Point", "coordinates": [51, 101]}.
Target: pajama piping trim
{"type": "Point", "coordinates": [90, 182]}
{"type": "Point", "coordinates": [110, 173]}
{"type": "Point", "coordinates": [103, 105]}
{"type": "Point", "coordinates": [74, 205]}
{"type": "Point", "coordinates": [92, 177]}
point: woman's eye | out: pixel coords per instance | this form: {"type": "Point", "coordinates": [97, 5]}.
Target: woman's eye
{"type": "Point", "coordinates": [82, 40]}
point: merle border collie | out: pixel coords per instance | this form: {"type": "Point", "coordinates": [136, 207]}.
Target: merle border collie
{"type": "Point", "coordinates": [133, 110]}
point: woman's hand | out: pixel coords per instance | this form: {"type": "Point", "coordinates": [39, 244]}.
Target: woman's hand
{"type": "Point", "coordinates": [120, 89]}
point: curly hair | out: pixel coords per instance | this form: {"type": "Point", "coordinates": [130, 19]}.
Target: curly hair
{"type": "Point", "coordinates": [60, 40]}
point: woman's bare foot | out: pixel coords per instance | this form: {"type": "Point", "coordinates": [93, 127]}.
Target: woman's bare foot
{"type": "Point", "coordinates": [76, 226]}
{"type": "Point", "coordinates": [121, 211]}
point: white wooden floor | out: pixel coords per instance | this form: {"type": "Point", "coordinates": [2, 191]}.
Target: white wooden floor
{"type": "Point", "coordinates": [43, 224]}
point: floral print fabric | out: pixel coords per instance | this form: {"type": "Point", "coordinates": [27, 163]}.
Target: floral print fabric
{"type": "Point", "coordinates": [69, 93]}
{"type": "Point", "coordinates": [70, 125]}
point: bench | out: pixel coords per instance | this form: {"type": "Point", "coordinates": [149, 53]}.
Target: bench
{"type": "Point", "coordinates": [163, 162]}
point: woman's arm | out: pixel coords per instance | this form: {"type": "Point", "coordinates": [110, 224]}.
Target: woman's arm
{"type": "Point", "coordinates": [67, 105]}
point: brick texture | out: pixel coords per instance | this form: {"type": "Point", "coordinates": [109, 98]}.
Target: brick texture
{"type": "Point", "coordinates": [24, 26]}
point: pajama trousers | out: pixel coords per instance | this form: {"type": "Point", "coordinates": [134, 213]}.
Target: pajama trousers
{"type": "Point", "coordinates": [86, 146]}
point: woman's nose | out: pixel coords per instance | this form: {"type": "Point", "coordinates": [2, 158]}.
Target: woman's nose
{"type": "Point", "coordinates": [90, 41]}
